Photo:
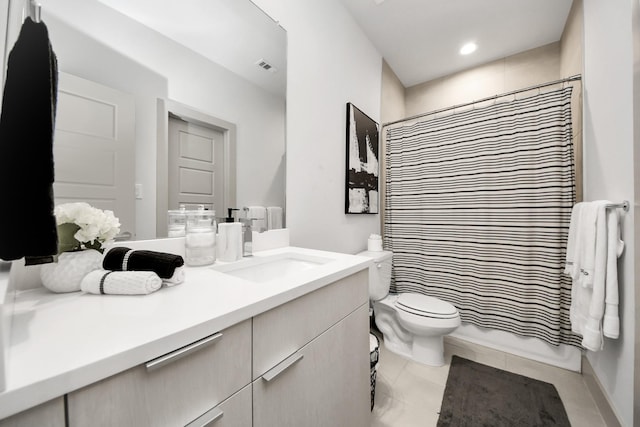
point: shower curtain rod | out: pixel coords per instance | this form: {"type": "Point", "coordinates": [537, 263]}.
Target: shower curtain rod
{"type": "Point", "coordinates": [430, 113]}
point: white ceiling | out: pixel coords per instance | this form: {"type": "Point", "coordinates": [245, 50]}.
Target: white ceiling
{"type": "Point", "coordinates": [232, 33]}
{"type": "Point", "coordinates": [420, 39]}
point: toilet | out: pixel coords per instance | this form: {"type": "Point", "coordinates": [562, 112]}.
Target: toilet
{"type": "Point", "coordinates": [413, 325]}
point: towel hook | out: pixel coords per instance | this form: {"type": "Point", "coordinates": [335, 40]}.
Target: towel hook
{"type": "Point", "coordinates": [35, 10]}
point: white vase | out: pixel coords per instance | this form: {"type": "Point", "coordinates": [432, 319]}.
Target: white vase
{"type": "Point", "coordinates": [67, 274]}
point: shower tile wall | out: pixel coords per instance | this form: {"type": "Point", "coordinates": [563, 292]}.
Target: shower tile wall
{"type": "Point", "coordinates": [514, 72]}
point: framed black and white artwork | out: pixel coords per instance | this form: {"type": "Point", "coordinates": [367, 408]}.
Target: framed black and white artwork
{"type": "Point", "coordinates": [362, 163]}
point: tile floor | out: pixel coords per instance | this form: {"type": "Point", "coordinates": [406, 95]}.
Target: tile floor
{"type": "Point", "coordinates": [409, 394]}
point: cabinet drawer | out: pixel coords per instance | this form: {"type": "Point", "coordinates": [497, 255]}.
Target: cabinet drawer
{"type": "Point", "coordinates": [49, 414]}
{"type": "Point", "coordinates": [325, 383]}
{"type": "Point", "coordinates": [233, 412]}
{"type": "Point", "coordinates": [282, 331]}
{"type": "Point", "coordinates": [172, 392]}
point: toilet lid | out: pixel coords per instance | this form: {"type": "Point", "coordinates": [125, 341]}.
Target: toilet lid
{"type": "Point", "coordinates": [423, 305]}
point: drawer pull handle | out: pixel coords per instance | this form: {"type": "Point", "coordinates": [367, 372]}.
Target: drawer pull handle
{"type": "Point", "coordinates": [286, 364]}
{"type": "Point", "coordinates": [207, 418]}
{"type": "Point", "coordinates": [181, 352]}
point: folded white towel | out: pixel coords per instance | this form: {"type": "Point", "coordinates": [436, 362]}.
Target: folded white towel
{"type": "Point", "coordinates": [259, 216]}
{"type": "Point", "coordinates": [121, 282]}
{"type": "Point", "coordinates": [176, 279]}
{"type": "Point", "coordinates": [274, 217]}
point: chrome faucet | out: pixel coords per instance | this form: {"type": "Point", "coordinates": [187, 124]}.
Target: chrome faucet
{"type": "Point", "coordinates": [247, 237]}
{"type": "Point", "coordinates": [247, 234]}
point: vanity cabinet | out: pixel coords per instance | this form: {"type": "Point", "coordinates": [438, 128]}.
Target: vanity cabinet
{"type": "Point", "coordinates": [303, 363]}
{"type": "Point", "coordinates": [172, 390]}
{"type": "Point", "coordinates": [48, 414]}
{"type": "Point", "coordinates": [311, 359]}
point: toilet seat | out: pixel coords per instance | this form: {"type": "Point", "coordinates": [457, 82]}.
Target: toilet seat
{"type": "Point", "coordinates": [425, 306]}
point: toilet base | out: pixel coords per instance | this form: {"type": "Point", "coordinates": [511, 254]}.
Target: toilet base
{"type": "Point", "coordinates": [428, 350]}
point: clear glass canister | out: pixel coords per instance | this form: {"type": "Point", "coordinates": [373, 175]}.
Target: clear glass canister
{"type": "Point", "coordinates": [177, 222]}
{"type": "Point", "coordinates": [200, 241]}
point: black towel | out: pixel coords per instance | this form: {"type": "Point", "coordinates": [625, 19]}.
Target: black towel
{"type": "Point", "coordinates": [27, 223]}
{"type": "Point", "coordinates": [163, 264]}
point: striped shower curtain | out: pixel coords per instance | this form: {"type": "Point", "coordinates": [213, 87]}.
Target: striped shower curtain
{"type": "Point", "coordinates": [477, 212]}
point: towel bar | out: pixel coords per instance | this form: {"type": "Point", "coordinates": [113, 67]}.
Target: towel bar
{"type": "Point", "coordinates": [624, 205]}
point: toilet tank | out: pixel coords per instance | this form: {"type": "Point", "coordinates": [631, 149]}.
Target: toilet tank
{"type": "Point", "coordinates": [379, 274]}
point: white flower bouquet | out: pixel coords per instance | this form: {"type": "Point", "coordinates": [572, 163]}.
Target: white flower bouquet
{"type": "Point", "coordinates": [81, 226]}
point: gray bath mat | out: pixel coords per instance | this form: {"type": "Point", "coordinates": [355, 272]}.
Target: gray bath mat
{"type": "Point", "coordinates": [479, 395]}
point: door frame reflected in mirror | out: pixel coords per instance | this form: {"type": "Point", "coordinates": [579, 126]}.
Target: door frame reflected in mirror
{"type": "Point", "coordinates": [166, 108]}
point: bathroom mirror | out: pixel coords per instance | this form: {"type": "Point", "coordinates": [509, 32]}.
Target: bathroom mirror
{"type": "Point", "coordinates": [216, 64]}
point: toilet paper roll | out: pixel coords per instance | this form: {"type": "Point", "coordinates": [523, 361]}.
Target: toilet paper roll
{"type": "Point", "coordinates": [229, 241]}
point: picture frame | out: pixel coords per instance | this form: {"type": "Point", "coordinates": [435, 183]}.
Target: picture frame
{"type": "Point", "coordinates": [362, 161]}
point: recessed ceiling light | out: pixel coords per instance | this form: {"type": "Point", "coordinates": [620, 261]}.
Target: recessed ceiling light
{"type": "Point", "coordinates": [378, 1]}
{"type": "Point", "coordinates": [468, 48]}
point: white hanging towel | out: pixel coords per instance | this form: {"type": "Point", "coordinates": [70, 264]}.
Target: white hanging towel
{"type": "Point", "coordinates": [571, 267]}
{"type": "Point", "coordinates": [587, 241]}
{"type": "Point", "coordinates": [274, 217]}
{"type": "Point", "coordinates": [259, 216]}
{"type": "Point", "coordinates": [595, 247]}
{"type": "Point", "coordinates": [615, 247]}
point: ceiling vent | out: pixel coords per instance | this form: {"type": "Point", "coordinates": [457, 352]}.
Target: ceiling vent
{"type": "Point", "coordinates": [266, 66]}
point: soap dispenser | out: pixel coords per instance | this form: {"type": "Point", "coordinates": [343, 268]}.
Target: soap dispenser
{"type": "Point", "coordinates": [230, 217]}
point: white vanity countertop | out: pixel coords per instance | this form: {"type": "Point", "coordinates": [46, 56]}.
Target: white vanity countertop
{"type": "Point", "coordinates": [62, 342]}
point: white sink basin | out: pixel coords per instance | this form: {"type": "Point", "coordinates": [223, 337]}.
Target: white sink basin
{"type": "Point", "coordinates": [264, 269]}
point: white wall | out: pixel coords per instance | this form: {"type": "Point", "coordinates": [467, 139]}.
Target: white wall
{"type": "Point", "coordinates": [609, 172]}
{"type": "Point", "coordinates": [330, 62]}
{"type": "Point", "coordinates": [392, 96]}
{"type": "Point", "coordinates": [169, 70]}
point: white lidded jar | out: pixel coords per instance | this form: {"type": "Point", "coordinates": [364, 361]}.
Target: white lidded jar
{"type": "Point", "coordinates": [177, 222]}
{"type": "Point", "coordinates": [200, 239]}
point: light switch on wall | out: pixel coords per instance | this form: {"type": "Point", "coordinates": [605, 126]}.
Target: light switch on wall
{"type": "Point", "coordinates": [138, 191]}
